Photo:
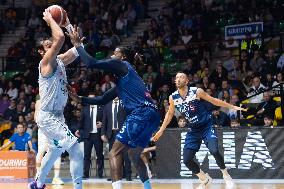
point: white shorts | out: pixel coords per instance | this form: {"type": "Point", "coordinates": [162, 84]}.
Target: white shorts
{"type": "Point", "coordinates": [56, 132]}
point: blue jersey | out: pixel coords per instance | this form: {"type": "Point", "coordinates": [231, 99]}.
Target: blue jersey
{"type": "Point", "coordinates": [193, 109]}
{"type": "Point", "coordinates": [132, 91]}
{"type": "Point", "coordinates": [20, 141]}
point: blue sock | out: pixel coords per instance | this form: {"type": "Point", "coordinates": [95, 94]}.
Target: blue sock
{"type": "Point", "coordinates": [147, 184]}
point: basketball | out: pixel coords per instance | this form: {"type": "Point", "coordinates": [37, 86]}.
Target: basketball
{"type": "Point", "coordinates": [58, 14]}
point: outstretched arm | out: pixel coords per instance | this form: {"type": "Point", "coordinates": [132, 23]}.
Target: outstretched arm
{"type": "Point", "coordinates": [215, 101]}
{"type": "Point", "coordinates": [168, 117]}
{"type": "Point", "coordinates": [101, 100]}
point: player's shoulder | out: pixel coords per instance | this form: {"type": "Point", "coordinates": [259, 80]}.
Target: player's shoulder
{"type": "Point", "coordinates": [175, 94]}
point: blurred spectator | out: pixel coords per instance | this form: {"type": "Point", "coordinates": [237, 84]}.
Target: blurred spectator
{"type": "Point", "coordinates": [256, 88]}
{"type": "Point", "coordinates": [149, 72]}
{"type": "Point", "coordinates": [268, 121]}
{"type": "Point", "coordinates": [181, 122]}
{"type": "Point", "coordinates": [164, 94]}
{"type": "Point", "coordinates": [11, 111]}
{"type": "Point", "coordinates": [219, 118]}
{"type": "Point", "coordinates": [270, 65]}
{"type": "Point", "coordinates": [279, 79]}
{"type": "Point", "coordinates": [267, 107]}
{"type": "Point", "coordinates": [235, 123]}
{"type": "Point", "coordinates": [233, 114]}
{"type": "Point", "coordinates": [257, 62]}
{"type": "Point", "coordinates": [280, 63]}
{"type": "Point", "coordinates": [107, 84]}
{"type": "Point", "coordinates": [229, 62]}
{"type": "Point", "coordinates": [10, 20]}
{"type": "Point", "coordinates": [21, 139]}
{"type": "Point", "coordinates": [34, 22]}
{"type": "Point", "coordinates": [4, 104]}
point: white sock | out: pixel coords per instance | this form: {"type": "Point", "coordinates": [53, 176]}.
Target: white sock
{"type": "Point", "coordinates": [57, 165]}
{"type": "Point", "coordinates": [117, 185]}
{"type": "Point", "coordinates": [201, 175]}
{"type": "Point", "coordinates": [225, 172]}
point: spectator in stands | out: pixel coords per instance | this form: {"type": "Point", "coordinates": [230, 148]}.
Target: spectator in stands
{"type": "Point", "coordinates": [10, 20]}
{"type": "Point", "coordinates": [218, 75]}
{"type": "Point", "coordinates": [268, 121]}
{"type": "Point", "coordinates": [4, 104]}
{"type": "Point", "coordinates": [150, 84]}
{"type": "Point", "coordinates": [121, 25]}
{"type": "Point", "coordinates": [228, 63]}
{"type": "Point", "coordinates": [219, 118]}
{"type": "Point", "coordinates": [84, 90]}
{"type": "Point", "coordinates": [162, 78]}
{"type": "Point", "coordinates": [107, 84]}
{"type": "Point", "coordinates": [279, 79]}
{"type": "Point", "coordinates": [235, 123]}
{"type": "Point", "coordinates": [270, 65]}
{"type": "Point", "coordinates": [21, 140]}
{"type": "Point", "coordinates": [233, 114]}
{"type": "Point", "coordinates": [164, 94]}
{"type": "Point", "coordinates": [149, 72]}
{"type": "Point", "coordinates": [257, 62]}
{"type": "Point", "coordinates": [257, 87]}
{"type": "Point", "coordinates": [280, 63]}
{"type": "Point", "coordinates": [34, 22]}
{"type": "Point", "coordinates": [181, 122]}
{"type": "Point", "coordinates": [265, 108]}
{"type": "Point", "coordinates": [10, 111]}
{"type": "Point", "coordinates": [224, 87]}
{"type": "Point", "coordinates": [188, 67]}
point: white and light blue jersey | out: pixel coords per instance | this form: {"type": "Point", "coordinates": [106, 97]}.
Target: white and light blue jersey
{"type": "Point", "coordinates": [52, 89]}
{"type": "Point", "coordinates": [193, 109]}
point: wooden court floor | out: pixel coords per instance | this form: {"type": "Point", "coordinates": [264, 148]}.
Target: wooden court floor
{"type": "Point", "coordinates": [158, 184]}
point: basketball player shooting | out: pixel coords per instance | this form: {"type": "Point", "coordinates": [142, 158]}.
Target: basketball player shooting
{"type": "Point", "coordinates": [143, 116]}
{"type": "Point", "coordinates": [53, 98]}
{"type": "Point", "coordinates": [190, 102]}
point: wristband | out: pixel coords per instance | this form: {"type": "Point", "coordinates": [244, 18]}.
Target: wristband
{"type": "Point", "coordinates": [75, 52]}
{"type": "Point", "coordinates": [69, 28]}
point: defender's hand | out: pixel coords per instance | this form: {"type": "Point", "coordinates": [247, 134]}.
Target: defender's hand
{"type": "Point", "coordinates": [75, 37]}
{"type": "Point", "coordinates": [157, 136]}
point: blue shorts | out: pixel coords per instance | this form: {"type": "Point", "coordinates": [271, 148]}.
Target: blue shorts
{"type": "Point", "coordinates": [195, 136]}
{"type": "Point", "coordinates": [138, 127]}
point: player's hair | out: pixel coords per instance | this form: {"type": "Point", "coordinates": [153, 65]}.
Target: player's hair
{"type": "Point", "coordinates": [182, 73]}
{"type": "Point", "coordinates": [39, 43]}
{"type": "Point", "coordinates": [181, 117]}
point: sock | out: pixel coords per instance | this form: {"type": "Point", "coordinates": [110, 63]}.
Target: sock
{"type": "Point", "coordinates": [201, 175]}
{"type": "Point", "coordinates": [225, 172]}
{"type": "Point", "coordinates": [148, 170]}
{"type": "Point", "coordinates": [57, 167]}
{"type": "Point", "coordinates": [147, 184]}
{"type": "Point", "coordinates": [117, 185]}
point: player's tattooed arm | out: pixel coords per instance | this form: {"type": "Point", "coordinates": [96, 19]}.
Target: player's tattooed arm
{"type": "Point", "coordinates": [168, 117]}
{"type": "Point", "coordinates": [215, 101]}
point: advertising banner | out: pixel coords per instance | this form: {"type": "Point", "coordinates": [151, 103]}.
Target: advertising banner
{"type": "Point", "coordinates": [249, 153]}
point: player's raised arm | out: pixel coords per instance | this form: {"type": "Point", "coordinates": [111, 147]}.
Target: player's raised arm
{"type": "Point", "coordinates": [215, 101]}
{"type": "Point", "coordinates": [48, 61]}
{"type": "Point", "coordinates": [115, 66]}
{"type": "Point", "coordinates": [70, 55]}
{"type": "Point", "coordinates": [168, 117]}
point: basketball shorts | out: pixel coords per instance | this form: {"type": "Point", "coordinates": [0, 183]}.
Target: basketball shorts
{"type": "Point", "coordinates": [138, 127]}
{"type": "Point", "coordinates": [195, 136]}
{"type": "Point", "coordinates": [56, 132]}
